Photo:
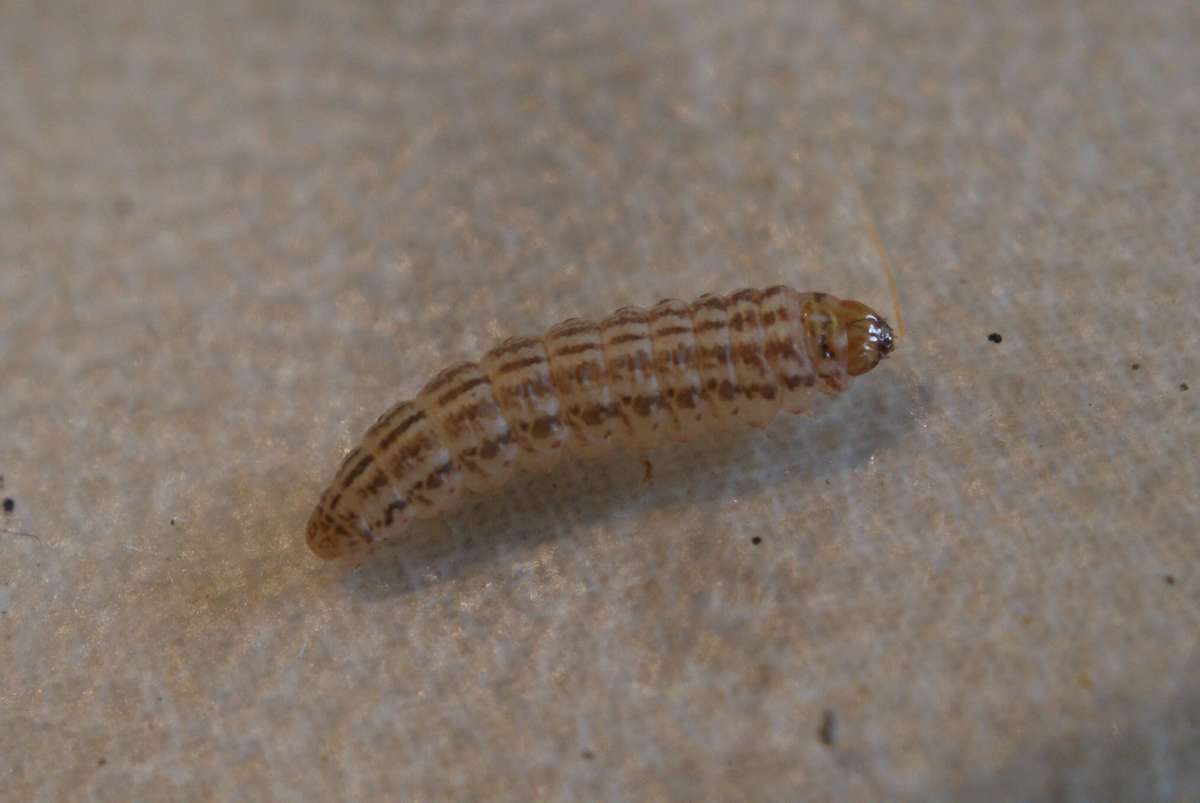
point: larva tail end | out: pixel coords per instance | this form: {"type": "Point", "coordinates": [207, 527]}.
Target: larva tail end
{"type": "Point", "coordinates": [870, 337]}
{"type": "Point", "coordinates": [324, 536]}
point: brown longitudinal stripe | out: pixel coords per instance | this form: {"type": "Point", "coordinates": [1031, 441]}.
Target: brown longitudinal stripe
{"type": "Point", "coordinates": [414, 449]}
{"type": "Point", "coordinates": [657, 312]}
{"type": "Point", "coordinates": [708, 326]}
{"type": "Point", "coordinates": [516, 345]}
{"type": "Point", "coordinates": [399, 431]}
{"type": "Point", "coordinates": [517, 365]}
{"type": "Point", "coordinates": [434, 478]}
{"type": "Point", "coordinates": [545, 425]}
{"type": "Point", "coordinates": [446, 378]}
{"type": "Point", "coordinates": [387, 417]}
{"type": "Point", "coordinates": [467, 462]}
{"type": "Point", "coordinates": [579, 348]}
{"type": "Point", "coordinates": [715, 302]}
{"type": "Point", "coordinates": [749, 354]}
{"type": "Point", "coordinates": [644, 405]}
{"type": "Point", "coordinates": [628, 337]}
{"type": "Point", "coordinates": [596, 413]}
{"type": "Point", "coordinates": [574, 329]}
{"type": "Point", "coordinates": [377, 484]}
{"type": "Point", "coordinates": [470, 412]}
{"type": "Point", "coordinates": [357, 472]}
{"type": "Point", "coordinates": [720, 351]}
{"type": "Point", "coordinates": [667, 331]}
{"type": "Point", "coordinates": [453, 394]}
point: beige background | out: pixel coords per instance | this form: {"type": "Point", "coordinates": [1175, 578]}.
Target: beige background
{"type": "Point", "coordinates": [231, 234]}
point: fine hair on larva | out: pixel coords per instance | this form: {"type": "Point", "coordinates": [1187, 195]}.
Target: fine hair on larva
{"type": "Point", "coordinates": [634, 379]}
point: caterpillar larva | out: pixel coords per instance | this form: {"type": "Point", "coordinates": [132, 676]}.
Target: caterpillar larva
{"type": "Point", "coordinates": [638, 377]}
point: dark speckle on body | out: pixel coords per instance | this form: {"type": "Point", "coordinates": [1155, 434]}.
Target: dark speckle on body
{"type": "Point", "coordinates": [996, 337]}
{"type": "Point", "coordinates": [9, 505]}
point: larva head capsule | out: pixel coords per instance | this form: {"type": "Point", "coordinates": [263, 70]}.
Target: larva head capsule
{"type": "Point", "coordinates": [869, 336]}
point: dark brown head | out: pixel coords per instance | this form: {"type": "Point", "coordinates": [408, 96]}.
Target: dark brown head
{"type": "Point", "coordinates": [869, 336]}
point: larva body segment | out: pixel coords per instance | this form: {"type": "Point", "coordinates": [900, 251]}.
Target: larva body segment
{"type": "Point", "coordinates": [519, 371]}
{"type": "Point", "coordinates": [714, 360]}
{"type": "Point", "coordinates": [673, 337]}
{"type": "Point", "coordinates": [757, 382]}
{"type": "Point", "coordinates": [468, 421]}
{"type": "Point", "coordinates": [629, 356]}
{"type": "Point", "coordinates": [635, 379]}
{"type": "Point", "coordinates": [580, 378]}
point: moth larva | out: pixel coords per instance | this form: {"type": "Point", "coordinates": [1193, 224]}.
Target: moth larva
{"type": "Point", "coordinates": [638, 377]}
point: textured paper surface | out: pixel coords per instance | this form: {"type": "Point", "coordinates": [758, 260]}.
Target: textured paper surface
{"type": "Point", "coordinates": [231, 234]}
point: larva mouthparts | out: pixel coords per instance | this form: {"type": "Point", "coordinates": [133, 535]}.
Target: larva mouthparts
{"type": "Point", "coordinates": [634, 379]}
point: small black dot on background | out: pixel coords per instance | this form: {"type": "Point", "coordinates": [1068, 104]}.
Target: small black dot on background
{"type": "Point", "coordinates": [9, 505]}
{"type": "Point", "coordinates": [1170, 578]}
{"type": "Point", "coordinates": [1183, 386]}
{"type": "Point", "coordinates": [827, 733]}
{"type": "Point", "coordinates": [756, 540]}
{"type": "Point", "coordinates": [1136, 366]}
{"type": "Point", "coordinates": [995, 337]}
{"type": "Point", "coordinates": [587, 755]}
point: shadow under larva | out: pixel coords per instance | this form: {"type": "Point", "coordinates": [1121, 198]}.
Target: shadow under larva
{"type": "Point", "coordinates": [638, 379]}
{"type": "Point", "coordinates": [700, 477]}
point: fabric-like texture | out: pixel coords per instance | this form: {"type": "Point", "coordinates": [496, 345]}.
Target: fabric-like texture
{"type": "Point", "coordinates": [233, 233]}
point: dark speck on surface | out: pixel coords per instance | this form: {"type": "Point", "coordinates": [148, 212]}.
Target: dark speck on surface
{"type": "Point", "coordinates": [995, 337]}
{"type": "Point", "coordinates": [756, 540]}
{"type": "Point", "coordinates": [1183, 386]}
{"type": "Point", "coordinates": [9, 505]}
{"type": "Point", "coordinates": [123, 206]}
{"type": "Point", "coordinates": [102, 762]}
{"type": "Point", "coordinates": [827, 733]}
{"type": "Point", "coordinates": [587, 755]}
{"type": "Point", "coordinates": [1170, 579]}
{"type": "Point", "coordinates": [1136, 366]}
